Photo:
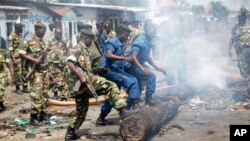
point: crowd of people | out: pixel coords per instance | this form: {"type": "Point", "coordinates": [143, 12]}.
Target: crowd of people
{"type": "Point", "coordinates": [100, 63]}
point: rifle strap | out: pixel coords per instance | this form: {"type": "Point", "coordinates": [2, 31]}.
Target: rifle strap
{"type": "Point", "coordinates": [98, 48]}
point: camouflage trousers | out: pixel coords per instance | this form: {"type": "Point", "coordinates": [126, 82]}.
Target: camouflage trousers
{"type": "Point", "coordinates": [3, 84]}
{"type": "Point", "coordinates": [102, 86]}
{"type": "Point", "coordinates": [59, 84]}
{"type": "Point", "coordinates": [20, 73]}
{"type": "Point", "coordinates": [39, 92]}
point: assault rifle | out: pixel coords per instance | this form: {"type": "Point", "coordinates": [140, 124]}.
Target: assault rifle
{"type": "Point", "coordinates": [42, 58]}
{"type": "Point", "coordinates": [88, 83]}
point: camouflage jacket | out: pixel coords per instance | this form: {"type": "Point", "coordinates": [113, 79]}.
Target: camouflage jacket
{"type": "Point", "coordinates": [35, 48]}
{"type": "Point", "coordinates": [243, 36]}
{"type": "Point", "coordinates": [16, 43]}
{"type": "Point", "coordinates": [83, 57]}
{"type": "Point", "coordinates": [95, 55]}
{"type": "Point", "coordinates": [57, 55]}
{"type": "Point", "coordinates": [3, 59]}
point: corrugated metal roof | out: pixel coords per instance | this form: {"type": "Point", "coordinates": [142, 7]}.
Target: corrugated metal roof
{"type": "Point", "coordinates": [8, 7]}
{"type": "Point", "coordinates": [109, 7]}
{"type": "Point", "coordinates": [60, 10]}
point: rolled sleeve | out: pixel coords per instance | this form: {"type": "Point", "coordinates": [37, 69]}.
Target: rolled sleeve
{"type": "Point", "coordinates": [135, 48]}
{"type": "Point", "coordinates": [110, 47]}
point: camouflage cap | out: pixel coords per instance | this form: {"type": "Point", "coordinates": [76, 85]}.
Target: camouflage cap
{"type": "Point", "coordinates": [88, 33]}
{"type": "Point", "coordinates": [39, 24]}
{"type": "Point", "coordinates": [81, 25]}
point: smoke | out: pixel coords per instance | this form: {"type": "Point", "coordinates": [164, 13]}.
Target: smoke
{"type": "Point", "coordinates": [179, 45]}
{"type": "Point", "coordinates": [205, 61]}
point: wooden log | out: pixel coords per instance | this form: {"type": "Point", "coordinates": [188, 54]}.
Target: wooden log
{"type": "Point", "coordinates": [92, 101]}
{"type": "Point", "coordinates": [138, 126]}
{"type": "Point", "coordinates": [148, 120]}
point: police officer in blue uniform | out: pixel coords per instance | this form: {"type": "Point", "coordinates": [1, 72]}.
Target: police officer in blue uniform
{"type": "Point", "coordinates": [117, 63]}
{"type": "Point", "coordinates": [140, 52]}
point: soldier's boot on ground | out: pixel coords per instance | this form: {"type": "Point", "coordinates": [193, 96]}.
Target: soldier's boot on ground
{"type": "Point", "coordinates": [25, 89]}
{"type": "Point", "coordinates": [18, 90]}
{"type": "Point", "coordinates": [136, 105]}
{"type": "Point", "coordinates": [43, 117]}
{"type": "Point", "coordinates": [71, 135]}
{"type": "Point", "coordinates": [123, 113]}
{"type": "Point", "coordinates": [56, 95]}
{"type": "Point", "coordinates": [34, 120]}
{"type": "Point", "coordinates": [150, 102]}
{"type": "Point", "coordinates": [2, 107]}
{"type": "Point", "coordinates": [101, 120]}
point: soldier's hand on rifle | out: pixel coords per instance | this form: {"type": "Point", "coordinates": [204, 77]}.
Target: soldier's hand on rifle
{"type": "Point", "coordinates": [15, 62]}
{"type": "Point", "coordinates": [37, 61]}
{"type": "Point", "coordinates": [83, 79]}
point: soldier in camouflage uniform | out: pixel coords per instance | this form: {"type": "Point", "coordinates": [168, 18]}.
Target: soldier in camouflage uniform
{"type": "Point", "coordinates": [16, 42]}
{"type": "Point", "coordinates": [57, 61]}
{"type": "Point", "coordinates": [3, 76]}
{"type": "Point", "coordinates": [39, 80]}
{"type": "Point", "coordinates": [238, 43]}
{"type": "Point", "coordinates": [100, 84]}
{"type": "Point", "coordinates": [95, 50]}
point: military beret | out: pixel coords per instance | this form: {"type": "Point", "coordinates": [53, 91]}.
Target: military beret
{"type": "Point", "coordinates": [81, 25]}
{"type": "Point", "coordinates": [87, 32]}
{"type": "Point", "coordinates": [39, 24]}
{"type": "Point", "coordinates": [125, 28]}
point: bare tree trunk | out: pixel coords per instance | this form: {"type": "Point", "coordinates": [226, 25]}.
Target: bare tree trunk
{"type": "Point", "coordinates": [149, 119]}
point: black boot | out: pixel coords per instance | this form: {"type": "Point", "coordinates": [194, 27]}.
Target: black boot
{"type": "Point", "coordinates": [43, 116]}
{"type": "Point", "coordinates": [25, 89]}
{"type": "Point", "coordinates": [150, 102]}
{"type": "Point", "coordinates": [34, 120]}
{"type": "Point", "coordinates": [101, 120]}
{"type": "Point", "coordinates": [3, 108]}
{"type": "Point", "coordinates": [56, 95]}
{"type": "Point", "coordinates": [71, 135]}
{"type": "Point", "coordinates": [18, 91]}
{"type": "Point", "coordinates": [123, 113]}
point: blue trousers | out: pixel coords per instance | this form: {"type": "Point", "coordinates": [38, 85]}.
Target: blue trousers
{"type": "Point", "coordinates": [129, 82]}
{"type": "Point", "coordinates": [148, 80]}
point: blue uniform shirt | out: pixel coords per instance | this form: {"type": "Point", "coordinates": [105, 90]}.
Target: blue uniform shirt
{"type": "Point", "coordinates": [101, 40]}
{"type": "Point", "coordinates": [142, 45]}
{"type": "Point", "coordinates": [116, 47]}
